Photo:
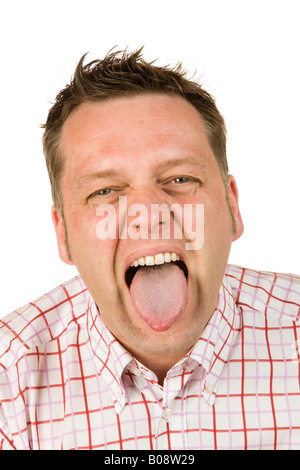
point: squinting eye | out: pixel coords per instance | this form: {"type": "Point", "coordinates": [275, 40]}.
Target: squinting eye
{"type": "Point", "coordinates": [104, 192]}
{"type": "Point", "coordinates": [181, 179]}
{"type": "Point", "coordinates": [101, 192]}
{"type": "Point", "coordinates": [187, 183]}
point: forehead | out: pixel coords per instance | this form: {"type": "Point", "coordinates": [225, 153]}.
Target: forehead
{"type": "Point", "coordinates": [147, 111]}
{"type": "Point", "coordinates": [145, 127]}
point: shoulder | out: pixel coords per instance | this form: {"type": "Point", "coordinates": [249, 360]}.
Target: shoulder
{"type": "Point", "coordinates": [42, 320]}
{"type": "Point", "coordinates": [272, 293]}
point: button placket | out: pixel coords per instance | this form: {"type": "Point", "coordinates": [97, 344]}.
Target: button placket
{"type": "Point", "coordinates": [136, 371]}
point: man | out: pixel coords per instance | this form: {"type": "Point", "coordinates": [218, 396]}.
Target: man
{"type": "Point", "coordinates": [158, 343]}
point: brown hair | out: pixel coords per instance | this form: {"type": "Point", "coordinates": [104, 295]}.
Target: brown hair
{"type": "Point", "coordinates": [122, 74]}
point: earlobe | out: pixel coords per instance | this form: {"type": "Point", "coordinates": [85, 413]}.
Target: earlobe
{"type": "Point", "coordinates": [233, 199]}
{"type": "Point", "coordinates": [60, 231]}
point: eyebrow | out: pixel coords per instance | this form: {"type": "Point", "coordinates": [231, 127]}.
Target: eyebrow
{"type": "Point", "coordinates": [160, 167]}
{"type": "Point", "coordinates": [85, 179]}
{"type": "Point", "coordinates": [174, 162]}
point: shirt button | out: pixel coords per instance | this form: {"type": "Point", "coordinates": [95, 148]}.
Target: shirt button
{"type": "Point", "coordinates": [167, 413]}
{"type": "Point", "coordinates": [208, 387]}
{"type": "Point", "coordinates": [119, 395]}
{"type": "Point", "coordinates": [136, 371]}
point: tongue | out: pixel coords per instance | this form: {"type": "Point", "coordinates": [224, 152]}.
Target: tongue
{"type": "Point", "coordinates": [159, 294]}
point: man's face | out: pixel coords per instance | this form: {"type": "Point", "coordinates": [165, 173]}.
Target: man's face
{"type": "Point", "coordinates": [153, 150]}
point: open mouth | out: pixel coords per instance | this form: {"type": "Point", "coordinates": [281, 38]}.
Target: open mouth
{"type": "Point", "coordinates": [153, 262]}
{"type": "Point", "coordinates": [158, 289]}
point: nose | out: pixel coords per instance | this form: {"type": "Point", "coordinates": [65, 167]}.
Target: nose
{"type": "Point", "coordinates": [148, 219]}
{"type": "Point", "coordinates": [149, 216]}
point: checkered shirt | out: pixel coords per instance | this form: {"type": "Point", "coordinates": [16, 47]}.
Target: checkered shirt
{"type": "Point", "coordinates": [66, 382]}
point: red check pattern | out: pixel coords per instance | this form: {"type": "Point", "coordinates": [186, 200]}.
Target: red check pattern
{"type": "Point", "coordinates": [66, 383]}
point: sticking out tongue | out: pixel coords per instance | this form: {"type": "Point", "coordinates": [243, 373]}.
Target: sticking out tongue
{"type": "Point", "coordinates": [159, 294]}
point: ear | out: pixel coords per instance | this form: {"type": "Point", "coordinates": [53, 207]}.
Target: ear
{"type": "Point", "coordinates": [60, 236]}
{"type": "Point", "coordinates": [233, 199]}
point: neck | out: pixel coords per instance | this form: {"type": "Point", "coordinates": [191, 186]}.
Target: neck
{"type": "Point", "coordinates": [160, 365]}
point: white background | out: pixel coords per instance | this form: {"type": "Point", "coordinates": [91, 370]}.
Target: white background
{"type": "Point", "coordinates": [247, 54]}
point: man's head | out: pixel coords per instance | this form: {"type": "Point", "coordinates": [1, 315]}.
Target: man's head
{"type": "Point", "coordinates": [153, 146]}
{"type": "Point", "coordinates": [122, 74]}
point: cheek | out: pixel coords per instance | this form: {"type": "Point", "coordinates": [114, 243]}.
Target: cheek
{"type": "Point", "coordinates": [218, 225]}
{"type": "Point", "coordinates": [87, 242]}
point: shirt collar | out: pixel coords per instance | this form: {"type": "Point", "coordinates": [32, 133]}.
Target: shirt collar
{"type": "Point", "coordinates": [211, 351]}
{"type": "Point", "coordinates": [111, 357]}
{"type": "Point", "coordinates": [213, 348]}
